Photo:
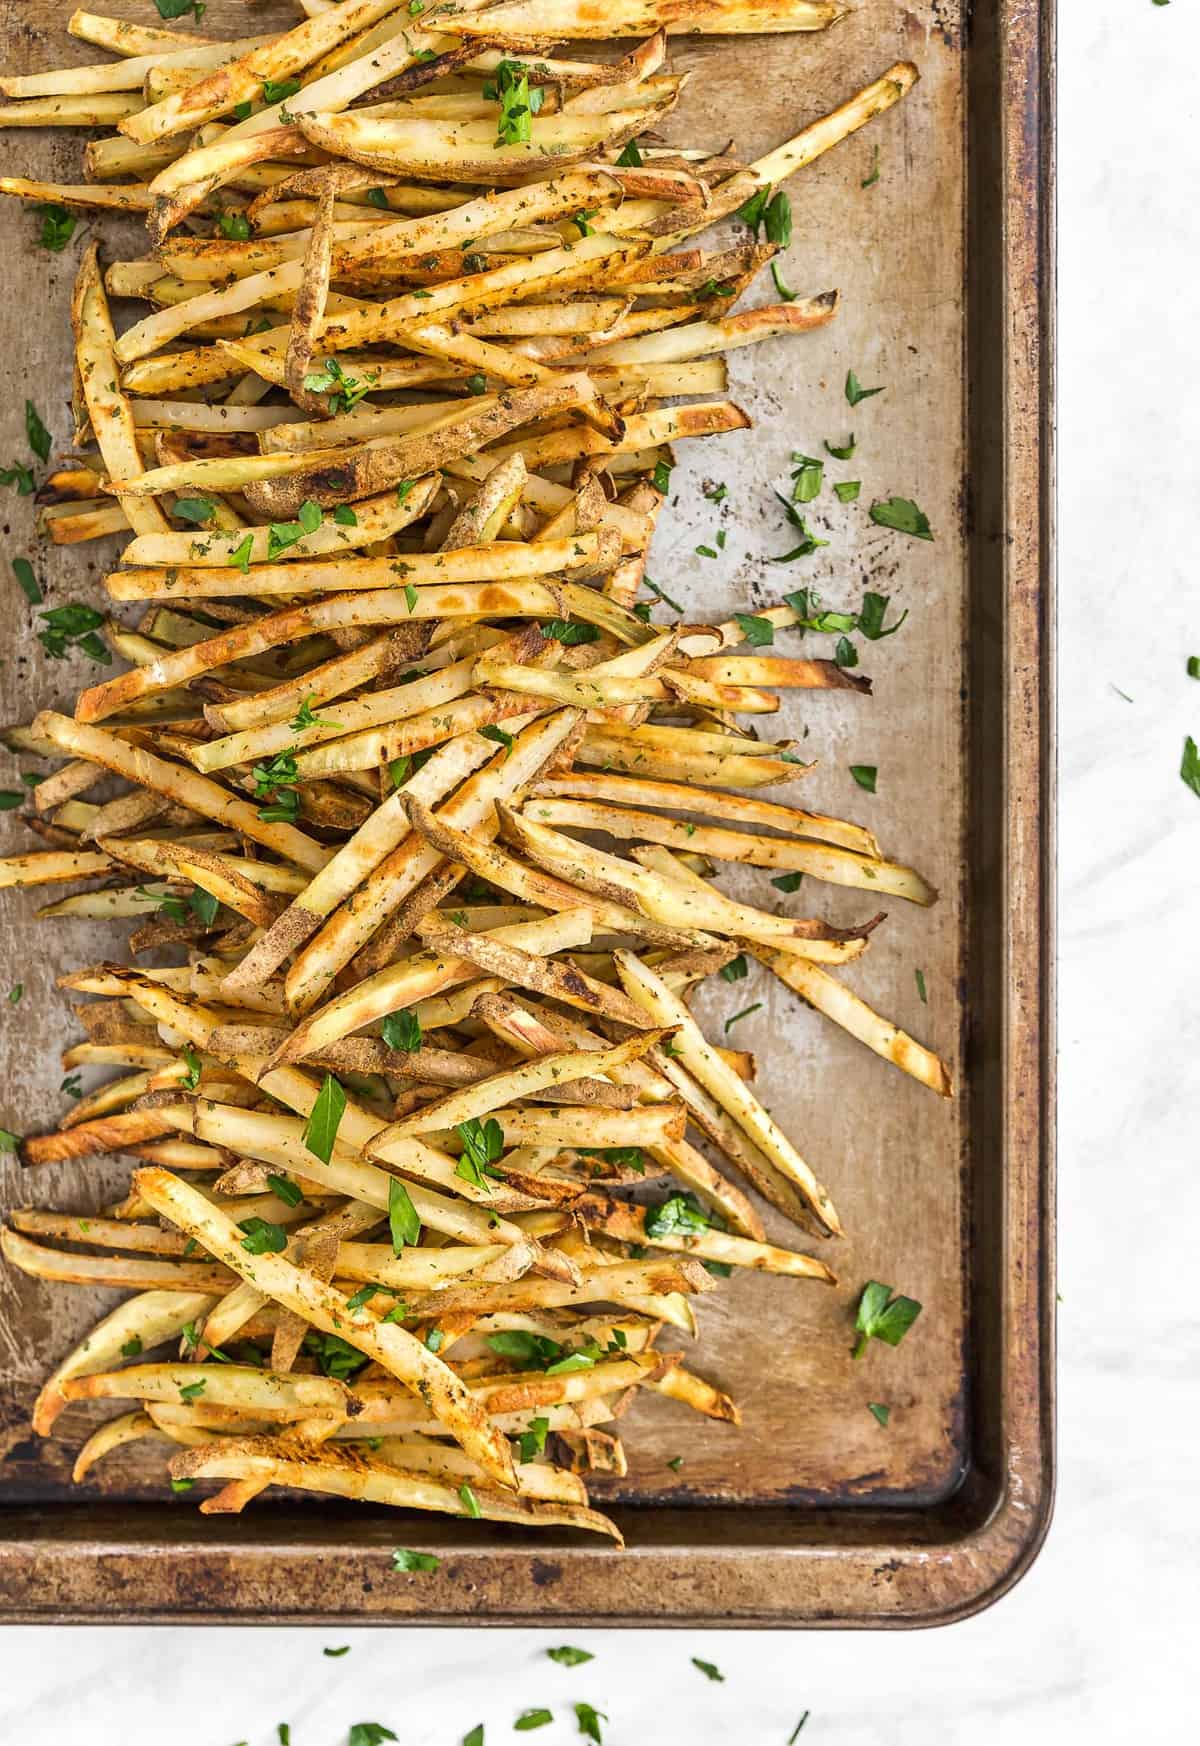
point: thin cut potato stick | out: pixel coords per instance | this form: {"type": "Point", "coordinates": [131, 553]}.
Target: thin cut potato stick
{"type": "Point", "coordinates": [148, 1319]}
{"type": "Point", "coordinates": [836, 1001]}
{"type": "Point", "coordinates": [560, 20]}
{"type": "Point", "coordinates": [503, 560]}
{"type": "Point", "coordinates": [702, 1059]}
{"type": "Point", "coordinates": [387, 1343]}
{"type": "Point", "coordinates": [836, 865]}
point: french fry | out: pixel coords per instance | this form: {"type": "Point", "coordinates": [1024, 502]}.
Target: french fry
{"type": "Point", "coordinates": [559, 20]}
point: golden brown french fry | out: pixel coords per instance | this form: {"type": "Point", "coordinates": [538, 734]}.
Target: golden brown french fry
{"type": "Point", "coordinates": [830, 996]}
{"type": "Point", "coordinates": [562, 20]}
{"type": "Point", "coordinates": [702, 1059]}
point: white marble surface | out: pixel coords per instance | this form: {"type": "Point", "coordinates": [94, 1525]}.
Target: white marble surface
{"type": "Point", "coordinates": [1094, 1644]}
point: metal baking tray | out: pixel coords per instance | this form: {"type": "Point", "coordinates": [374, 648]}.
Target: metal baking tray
{"type": "Point", "coordinates": [810, 1514]}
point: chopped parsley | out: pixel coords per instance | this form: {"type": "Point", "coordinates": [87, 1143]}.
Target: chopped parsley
{"type": "Point", "coordinates": [758, 632]}
{"type": "Point", "coordinates": [406, 1560]}
{"type": "Point", "coordinates": [855, 390]}
{"type": "Point", "coordinates": [881, 1414]}
{"type": "Point", "coordinates": [679, 1216]}
{"type": "Point", "coordinates": [58, 227]}
{"type": "Point", "coordinates": [561, 630]}
{"type": "Point", "coordinates": [234, 225]}
{"type": "Point", "coordinates": [320, 1130]}
{"type": "Point", "coordinates": [920, 976]}
{"type": "Point", "coordinates": [568, 1656]}
{"type": "Point", "coordinates": [865, 775]}
{"type": "Point", "coordinates": [483, 1143]}
{"type": "Point", "coordinates": [589, 1721]}
{"type": "Point", "coordinates": [284, 1189]}
{"type": "Point", "coordinates": [735, 970]}
{"type": "Point", "coordinates": [262, 1237]}
{"type": "Point", "coordinates": [530, 1719]}
{"type": "Point", "coordinates": [403, 1223]}
{"type": "Point", "coordinates": [402, 1031]}
{"type": "Point", "coordinates": [709, 1669]}
{"type": "Point", "coordinates": [882, 1316]}
{"type": "Point", "coordinates": [470, 1502]}
{"type": "Point", "coordinates": [27, 581]}
{"type": "Point", "coordinates": [745, 1013]}
{"type": "Point", "coordinates": [492, 732]}
{"type": "Point", "coordinates": [518, 103]}
{"type": "Point", "coordinates": [902, 514]}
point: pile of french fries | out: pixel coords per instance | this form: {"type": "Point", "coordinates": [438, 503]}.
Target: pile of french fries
{"type": "Point", "coordinates": [424, 799]}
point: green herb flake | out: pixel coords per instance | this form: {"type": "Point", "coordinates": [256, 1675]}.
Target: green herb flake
{"type": "Point", "coordinates": [20, 476]}
{"type": "Point", "coordinates": [568, 1656]}
{"type": "Point", "coordinates": [589, 1721]}
{"type": "Point", "coordinates": [284, 1189]}
{"type": "Point", "coordinates": [845, 654]}
{"type": "Point", "coordinates": [402, 1031]}
{"type": "Point", "coordinates": [370, 1734]}
{"type": "Point", "coordinates": [182, 1485]}
{"type": "Point", "coordinates": [758, 632]}
{"type": "Point", "coordinates": [133, 1347]}
{"type": "Point", "coordinates": [320, 1130]}
{"type": "Point", "coordinates": [745, 1013]}
{"type": "Point", "coordinates": [795, 1733]}
{"type": "Point", "coordinates": [234, 225]}
{"type": "Point", "coordinates": [38, 436]}
{"type": "Point", "coordinates": [262, 1237]}
{"type": "Point", "coordinates": [855, 390]}
{"type": "Point", "coordinates": [58, 227]}
{"type": "Point", "coordinates": [561, 630]}
{"type": "Point", "coordinates": [531, 1442]}
{"type": "Point", "coordinates": [279, 92]}
{"type": "Point", "coordinates": [191, 1078]}
{"type": "Point", "coordinates": [10, 799]}
{"type": "Point", "coordinates": [872, 177]}
{"type": "Point", "coordinates": [675, 1463]}
{"type": "Point", "coordinates": [475, 1737]}
{"type": "Point", "coordinates": [865, 775]}
{"type": "Point", "coordinates": [408, 1561]}
{"type": "Point", "coordinates": [492, 732]}
{"type": "Point", "coordinates": [735, 970]}
{"type": "Point", "coordinates": [882, 1316]}
{"type": "Point", "coordinates": [403, 1222]}
{"type": "Point", "coordinates": [194, 509]}
{"type": "Point", "coordinates": [788, 882]}
{"type": "Point", "coordinates": [1190, 768]}
{"type": "Point", "coordinates": [881, 1414]}
{"type": "Point", "coordinates": [470, 1502]}
{"type": "Point", "coordinates": [844, 451]}
{"type": "Point", "coordinates": [190, 1391]}
{"type": "Point", "coordinates": [902, 514]}
{"type": "Point", "coordinates": [847, 490]}
{"type": "Point", "coordinates": [662, 476]}
{"type": "Point", "coordinates": [530, 1719]}
{"type": "Point", "coordinates": [679, 1216]}
{"type": "Point", "coordinates": [27, 581]}
{"type": "Point", "coordinates": [240, 557]}
{"type": "Point", "coordinates": [920, 976]}
{"type": "Point", "coordinates": [1193, 666]}
{"type": "Point", "coordinates": [630, 158]}
{"type": "Point", "coordinates": [709, 1669]}
{"type": "Point", "coordinates": [807, 478]}
{"type": "Point", "coordinates": [345, 516]}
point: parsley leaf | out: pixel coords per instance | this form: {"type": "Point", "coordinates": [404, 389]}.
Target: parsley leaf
{"type": "Point", "coordinates": [195, 509]}
{"type": "Point", "coordinates": [406, 1560]}
{"type": "Point", "coordinates": [518, 104]}
{"type": "Point", "coordinates": [279, 92]}
{"type": "Point", "coordinates": [568, 1656]}
{"type": "Point", "coordinates": [864, 775]}
{"type": "Point", "coordinates": [403, 1222]}
{"type": "Point", "coordinates": [735, 970]}
{"type": "Point", "coordinates": [529, 1719]}
{"type": "Point", "coordinates": [262, 1237]}
{"type": "Point", "coordinates": [881, 1414]}
{"type": "Point", "coordinates": [483, 1143]}
{"type": "Point", "coordinates": [39, 437]}
{"type": "Point", "coordinates": [470, 1502]}
{"type": "Point", "coordinates": [532, 1441]}
{"type": "Point", "coordinates": [180, 8]}
{"type": "Point", "coordinates": [9, 1142]}
{"type": "Point", "coordinates": [902, 514]}
{"type": "Point", "coordinates": [758, 632]}
{"type": "Point", "coordinates": [788, 882]}
{"type": "Point", "coordinates": [191, 1078]}
{"type": "Point", "coordinates": [920, 978]}
{"type": "Point", "coordinates": [402, 1031]}
{"type": "Point", "coordinates": [320, 1130]}
{"type": "Point", "coordinates": [630, 158]}
{"type": "Point", "coordinates": [234, 225]}
{"type": "Point", "coordinates": [847, 490]}
{"type": "Point", "coordinates": [19, 476]}
{"type": "Point", "coordinates": [709, 1669]}
{"type": "Point", "coordinates": [370, 1734]}
{"type": "Point", "coordinates": [58, 227]}
{"type": "Point", "coordinates": [284, 1189]}
{"type": "Point", "coordinates": [492, 732]}
{"type": "Point", "coordinates": [304, 717]}
{"type": "Point", "coordinates": [589, 1721]}
{"type": "Point", "coordinates": [882, 1316]}
{"type": "Point", "coordinates": [745, 1013]}
{"type": "Point", "coordinates": [855, 390]}
{"type": "Point", "coordinates": [680, 1216]}
{"type": "Point", "coordinates": [561, 630]}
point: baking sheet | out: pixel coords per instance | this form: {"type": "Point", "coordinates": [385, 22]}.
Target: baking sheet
{"type": "Point", "coordinates": [756, 1521]}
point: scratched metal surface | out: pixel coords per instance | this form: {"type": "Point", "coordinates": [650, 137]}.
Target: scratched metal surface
{"type": "Point", "coordinates": [891, 1153]}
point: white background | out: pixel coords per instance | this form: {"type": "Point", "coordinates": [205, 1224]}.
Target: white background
{"type": "Point", "coordinates": [1095, 1644]}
